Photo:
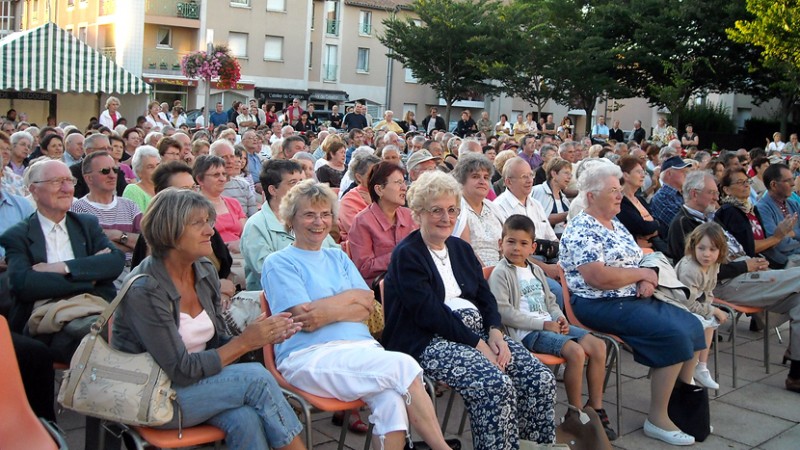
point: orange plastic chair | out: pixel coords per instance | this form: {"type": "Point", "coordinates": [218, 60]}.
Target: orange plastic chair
{"type": "Point", "coordinates": [734, 311]}
{"type": "Point", "coordinates": [613, 347]}
{"type": "Point", "coordinates": [20, 428]}
{"type": "Point", "coordinates": [306, 400]}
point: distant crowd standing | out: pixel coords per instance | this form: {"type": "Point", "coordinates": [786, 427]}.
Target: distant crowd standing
{"type": "Point", "coordinates": [465, 233]}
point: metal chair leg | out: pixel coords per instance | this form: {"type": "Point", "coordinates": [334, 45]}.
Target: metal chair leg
{"type": "Point", "coordinates": [448, 410]}
{"type": "Point", "coordinates": [766, 340]}
{"type": "Point", "coordinates": [715, 342]}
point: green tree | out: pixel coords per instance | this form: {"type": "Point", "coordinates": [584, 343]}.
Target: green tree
{"type": "Point", "coordinates": [680, 49]}
{"type": "Point", "coordinates": [592, 36]}
{"type": "Point", "coordinates": [775, 28]}
{"type": "Point", "coordinates": [448, 48]}
{"type": "Point", "coordinates": [529, 65]}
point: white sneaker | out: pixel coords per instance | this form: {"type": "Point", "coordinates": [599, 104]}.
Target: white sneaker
{"type": "Point", "coordinates": [703, 378]}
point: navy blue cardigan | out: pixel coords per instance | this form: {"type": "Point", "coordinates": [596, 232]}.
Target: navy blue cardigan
{"type": "Point", "coordinates": [414, 296]}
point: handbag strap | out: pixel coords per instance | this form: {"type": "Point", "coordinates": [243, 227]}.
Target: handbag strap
{"type": "Point", "coordinates": [103, 318]}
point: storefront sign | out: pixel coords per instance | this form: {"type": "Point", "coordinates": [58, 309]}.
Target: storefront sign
{"type": "Point", "coordinates": [172, 81]}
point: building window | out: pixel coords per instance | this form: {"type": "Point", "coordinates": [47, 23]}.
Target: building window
{"type": "Point", "coordinates": [331, 67]}
{"type": "Point", "coordinates": [164, 38]}
{"type": "Point", "coordinates": [238, 44]}
{"type": "Point", "coordinates": [276, 5]}
{"type": "Point", "coordinates": [83, 33]}
{"type": "Point", "coordinates": [363, 60]}
{"type": "Point", "coordinates": [84, 3]}
{"type": "Point", "coordinates": [310, 54]}
{"type": "Point", "coordinates": [365, 23]}
{"type": "Point", "coordinates": [240, 3]}
{"type": "Point", "coordinates": [409, 107]}
{"type": "Point", "coordinates": [70, 3]}
{"type": "Point", "coordinates": [332, 18]}
{"type": "Point", "coordinates": [6, 18]}
{"type": "Point", "coordinates": [273, 48]}
{"type": "Point", "coordinates": [410, 78]}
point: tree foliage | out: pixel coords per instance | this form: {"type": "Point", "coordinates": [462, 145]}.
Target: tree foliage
{"type": "Point", "coordinates": [775, 28]}
{"type": "Point", "coordinates": [448, 47]}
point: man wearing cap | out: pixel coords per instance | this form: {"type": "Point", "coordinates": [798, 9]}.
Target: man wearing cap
{"type": "Point", "coordinates": [668, 200]}
{"type": "Point", "coordinates": [419, 163]}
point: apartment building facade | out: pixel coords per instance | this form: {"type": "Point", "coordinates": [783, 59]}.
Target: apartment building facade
{"type": "Point", "coordinates": [324, 52]}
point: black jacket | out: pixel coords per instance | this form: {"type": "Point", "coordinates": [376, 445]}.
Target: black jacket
{"type": "Point", "coordinates": [438, 125]}
{"type": "Point", "coordinates": [414, 296]}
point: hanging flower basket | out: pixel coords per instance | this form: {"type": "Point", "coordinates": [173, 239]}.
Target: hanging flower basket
{"type": "Point", "coordinates": [219, 64]}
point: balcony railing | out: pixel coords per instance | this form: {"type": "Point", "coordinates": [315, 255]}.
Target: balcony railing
{"type": "Point", "coordinates": [365, 28]}
{"type": "Point", "coordinates": [162, 61]}
{"type": "Point", "coordinates": [173, 8]}
{"type": "Point", "coordinates": [329, 73]}
{"type": "Point", "coordinates": [332, 27]}
{"type": "Point", "coordinates": [107, 7]}
{"type": "Point", "coordinates": [109, 52]}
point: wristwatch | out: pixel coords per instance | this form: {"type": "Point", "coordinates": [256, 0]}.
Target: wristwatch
{"type": "Point", "coordinates": [124, 238]}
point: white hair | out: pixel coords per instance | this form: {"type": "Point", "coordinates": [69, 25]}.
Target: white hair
{"type": "Point", "coordinates": [466, 146]}
{"type": "Point", "coordinates": [140, 154]}
{"type": "Point", "coordinates": [212, 150]}
{"type": "Point", "coordinates": [593, 174]}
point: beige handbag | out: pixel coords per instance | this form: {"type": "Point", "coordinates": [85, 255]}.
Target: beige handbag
{"type": "Point", "coordinates": [113, 385]}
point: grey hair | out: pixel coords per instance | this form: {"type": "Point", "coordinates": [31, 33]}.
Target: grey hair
{"type": "Point", "coordinates": [700, 155]}
{"type": "Point", "coordinates": [167, 216]}
{"type": "Point", "coordinates": [469, 163]}
{"type": "Point", "coordinates": [666, 152]}
{"type": "Point", "coordinates": [304, 155]}
{"type": "Point", "coordinates": [315, 192]}
{"type": "Point", "coordinates": [20, 135]}
{"type": "Point", "coordinates": [111, 99]}
{"type": "Point", "coordinates": [429, 187]}
{"type": "Point", "coordinates": [212, 150]}
{"type": "Point", "coordinates": [565, 146]}
{"type": "Point", "coordinates": [153, 135]}
{"type": "Point", "coordinates": [546, 148]}
{"type": "Point", "coordinates": [90, 142]}
{"type": "Point", "coordinates": [34, 171]}
{"type": "Point", "coordinates": [695, 181]}
{"type": "Point", "coordinates": [361, 164]}
{"type": "Point", "coordinates": [204, 163]}
{"type": "Point", "coordinates": [418, 140]}
{"type": "Point", "coordinates": [34, 131]}
{"type": "Point", "coordinates": [390, 148]}
{"type": "Point", "coordinates": [140, 154]}
{"type": "Point", "coordinates": [594, 172]}
{"type": "Point", "coordinates": [466, 145]}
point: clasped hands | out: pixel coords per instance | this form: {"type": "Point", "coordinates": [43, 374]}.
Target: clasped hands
{"type": "Point", "coordinates": [353, 305]}
{"type": "Point", "coordinates": [496, 349]}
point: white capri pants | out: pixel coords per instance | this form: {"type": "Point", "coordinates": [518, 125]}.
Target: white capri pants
{"type": "Point", "coordinates": [351, 370]}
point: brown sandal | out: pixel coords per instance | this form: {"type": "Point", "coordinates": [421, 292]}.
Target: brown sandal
{"type": "Point", "coordinates": [354, 423]}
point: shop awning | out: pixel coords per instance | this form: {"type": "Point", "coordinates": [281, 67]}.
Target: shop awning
{"type": "Point", "coordinates": [49, 59]}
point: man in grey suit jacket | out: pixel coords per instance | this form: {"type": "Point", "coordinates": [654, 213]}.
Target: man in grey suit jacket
{"type": "Point", "coordinates": [55, 253]}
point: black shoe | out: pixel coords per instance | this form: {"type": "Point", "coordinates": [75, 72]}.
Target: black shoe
{"type": "Point", "coordinates": [756, 323]}
{"type": "Point", "coordinates": [610, 433]}
{"type": "Point", "coordinates": [454, 444]}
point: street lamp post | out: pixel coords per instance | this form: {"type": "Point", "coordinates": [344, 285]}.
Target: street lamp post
{"type": "Point", "coordinates": [207, 101]}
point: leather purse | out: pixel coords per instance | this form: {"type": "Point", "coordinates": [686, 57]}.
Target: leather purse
{"type": "Point", "coordinates": [109, 384]}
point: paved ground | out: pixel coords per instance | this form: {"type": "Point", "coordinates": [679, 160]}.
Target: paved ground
{"type": "Point", "coordinates": [759, 414]}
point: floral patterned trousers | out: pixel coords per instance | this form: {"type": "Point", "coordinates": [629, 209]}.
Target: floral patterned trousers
{"type": "Point", "coordinates": [503, 407]}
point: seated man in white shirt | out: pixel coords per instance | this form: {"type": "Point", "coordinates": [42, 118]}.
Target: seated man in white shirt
{"type": "Point", "coordinates": [516, 199]}
{"type": "Point", "coordinates": [56, 254]}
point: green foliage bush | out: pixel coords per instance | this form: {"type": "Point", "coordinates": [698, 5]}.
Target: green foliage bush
{"type": "Point", "coordinates": [706, 118]}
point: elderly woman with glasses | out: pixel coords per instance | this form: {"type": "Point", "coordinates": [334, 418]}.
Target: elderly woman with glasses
{"type": "Point", "coordinates": [174, 314]}
{"type": "Point", "coordinates": [210, 174]}
{"type": "Point", "coordinates": [613, 294]}
{"type": "Point", "coordinates": [440, 310]}
{"type": "Point", "coordinates": [144, 163]}
{"type": "Point", "coordinates": [742, 220]}
{"type": "Point", "coordinates": [334, 355]}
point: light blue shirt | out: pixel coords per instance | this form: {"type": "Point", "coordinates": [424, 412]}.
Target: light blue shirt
{"type": "Point", "coordinates": [292, 276]}
{"type": "Point", "coordinates": [13, 209]}
{"type": "Point", "coordinates": [600, 129]}
{"type": "Point", "coordinates": [69, 160]}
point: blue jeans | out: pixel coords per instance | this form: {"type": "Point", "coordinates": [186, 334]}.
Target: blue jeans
{"type": "Point", "coordinates": [245, 401]}
{"type": "Point", "coordinates": [542, 341]}
{"type": "Point", "coordinates": [555, 288]}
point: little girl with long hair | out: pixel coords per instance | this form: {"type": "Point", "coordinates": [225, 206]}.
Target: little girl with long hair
{"type": "Point", "coordinates": [706, 248]}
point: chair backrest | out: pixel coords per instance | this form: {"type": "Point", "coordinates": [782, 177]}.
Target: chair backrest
{"type": "Point", "coordinates": [325, 404]}
{"type": "Point", "coordinates": [567, 304]}
{"type": "Point", "coordinates": [19, 426]}
{"type": "Point", "coordinates": [487, 272]}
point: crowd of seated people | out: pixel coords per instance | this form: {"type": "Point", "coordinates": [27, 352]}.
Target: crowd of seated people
{"type": "Point", "coordinates": [321, 219]}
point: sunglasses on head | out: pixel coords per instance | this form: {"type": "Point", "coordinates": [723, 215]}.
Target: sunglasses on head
{"type": "Point", "coordinates": [108, 170]}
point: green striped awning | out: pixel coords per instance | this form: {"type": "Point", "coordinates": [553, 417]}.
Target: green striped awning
{"type": "Point", "coordinates": [49, 59]}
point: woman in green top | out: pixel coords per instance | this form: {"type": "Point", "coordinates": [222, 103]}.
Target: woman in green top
{"type": "Point", "coordinates": [145, 161]}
